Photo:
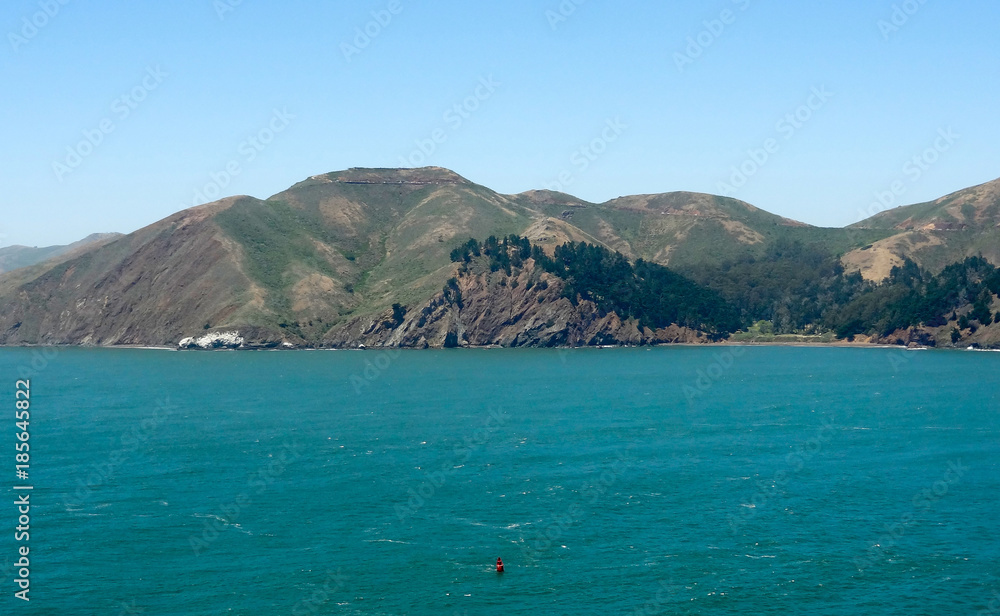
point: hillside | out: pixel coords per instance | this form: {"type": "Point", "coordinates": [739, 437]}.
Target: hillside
{"type": "Point", "coordinates": [323, 262]}
{"type": "Point", "coordinates": [147, 287]}
{"type": "Point", "coordinates": [483, 307]}
{"type": "Point", "coordinates": [329, 251]}
{"type": "Point", "coordinates": [16, 257]}
{"type": "Point", "coordinates": [687, 230]}
{"type": "Point", "coordinates": [933, 234]}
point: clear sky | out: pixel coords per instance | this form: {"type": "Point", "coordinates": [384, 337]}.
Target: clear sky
{"type": "Point", "coordinates": [117, 114]}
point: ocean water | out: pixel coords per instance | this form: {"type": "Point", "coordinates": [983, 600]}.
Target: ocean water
{"type": "Point", "coordinates": [611, 481]}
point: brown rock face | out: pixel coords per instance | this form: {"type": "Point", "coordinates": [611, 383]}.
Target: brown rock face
{"type": "Point", "coordinates": [115, 296]}
{"type": "Point", "coordinates": [524, 309]}
{"type": "Point", "coordinates": [319, 264]}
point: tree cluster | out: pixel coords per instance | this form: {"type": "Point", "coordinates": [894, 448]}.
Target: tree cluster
{"type": "Point", "coordinates": [912, 296]}
{"type": "Point", "coordinates": [791, 285]}
{"type": "Point", "coordinates": [798, 287]}
{"type": "Point", "coordinates": [652, 294]}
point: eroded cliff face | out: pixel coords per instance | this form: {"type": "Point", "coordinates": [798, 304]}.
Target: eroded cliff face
{"type": "Point", "coordinates": [983, 336]}
{"type": "Point", "coordinates": [483, 308]}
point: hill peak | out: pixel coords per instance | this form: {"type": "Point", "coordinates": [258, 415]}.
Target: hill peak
{"type": "Point", "coordinates": [977, 207]}
{"type": "Point", "coordinates": [421, 175]}
{"type": "Point", "coordinates": [698, 205]}
{"type": "Point", "coordinates": [551, 197]}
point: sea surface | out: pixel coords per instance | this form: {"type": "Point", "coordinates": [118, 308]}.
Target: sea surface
{"type": "Point", "coordinates": [671, 480]}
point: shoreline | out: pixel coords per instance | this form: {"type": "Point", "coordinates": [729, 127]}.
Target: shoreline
{"type": "Point", "coordinates": [743, 344]}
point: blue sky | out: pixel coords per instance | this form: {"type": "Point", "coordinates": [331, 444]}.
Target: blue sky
{"type": "Point", "coordinates": [116, 115]}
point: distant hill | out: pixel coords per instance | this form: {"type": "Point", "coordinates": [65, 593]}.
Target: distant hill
{"type": "Point", "coordinates": [333, 248]}
{"type": "Point", "coordinates": [334, 258]}
{"type": "Point", "coordinates": [933, 234]}
{"type": "Point", "coordinates": [15, 257]}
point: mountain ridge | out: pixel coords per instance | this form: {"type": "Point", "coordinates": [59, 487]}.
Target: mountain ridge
{"type": "Point", "coordinates": [934, 233]}
{"type": "Point", "coordinates": [335, 251]}
{"type": "Point", "coordinates": [17, 256]}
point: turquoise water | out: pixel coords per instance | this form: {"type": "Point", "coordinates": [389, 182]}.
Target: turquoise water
{"type": "Point", "coordinates": [615, 481]}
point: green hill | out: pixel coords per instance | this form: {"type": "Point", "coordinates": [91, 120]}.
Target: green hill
{"type": "Point", "coordinates": [16, 257]}
{"type": "Point", "coordinates": [933, 234]}
{"type": "Point", "coordinates": [323, 262]}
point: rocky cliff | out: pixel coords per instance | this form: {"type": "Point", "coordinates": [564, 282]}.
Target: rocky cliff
{"type": "Point", "coordinates": [322, 263]}
{"type": "Point", "coordinates": [484, 308]}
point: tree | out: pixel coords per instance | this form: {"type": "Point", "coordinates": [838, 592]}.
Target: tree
{"type": "Point", "coordinates": [650, 293]}
{"type": "Point", "coordinates": [398, 312]}
{"type": "Point", "coordinates": [981, 308]}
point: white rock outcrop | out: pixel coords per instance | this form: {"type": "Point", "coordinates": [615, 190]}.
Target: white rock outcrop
{"type": "Point", "coordinates": [217, 340]}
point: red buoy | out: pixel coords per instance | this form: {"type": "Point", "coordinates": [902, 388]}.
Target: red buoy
{"type": "Point", "coordinates": [499, 565]}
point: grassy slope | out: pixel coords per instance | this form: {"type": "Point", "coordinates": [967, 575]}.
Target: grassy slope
{"type": "Point", "coordinates": [143, 288]}
{"type": "Point", "coordinates": [688, 241]}
{"type": "Point", "coordinates": [391, 239]}
{"type": "Point", "coordinates": [349, 244]}
{"type": "Point", "coordinates": [975, 208]}
{"type": "Point", "coordinates": [16, 257]}
{"type": "Point", "coordinates": [390, 242]}
{"type": "Point", "coordinates": [962, 224]}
